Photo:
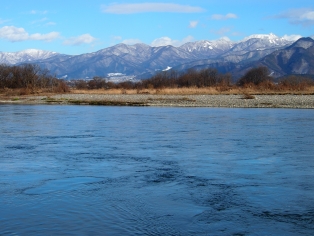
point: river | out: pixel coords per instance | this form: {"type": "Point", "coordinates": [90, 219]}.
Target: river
{"type": "Point", "coordinates": [97, 170]}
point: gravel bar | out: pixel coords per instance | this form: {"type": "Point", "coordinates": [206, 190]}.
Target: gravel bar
{"type": "Point", "coordinates": [259, 101]}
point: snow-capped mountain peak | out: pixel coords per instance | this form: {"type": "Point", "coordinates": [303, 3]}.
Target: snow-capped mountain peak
{"type": "Point", "coordinates": [27, 55]}
{"type": "Point", "coordinates": [213, 47]}
{"type": "Point", "coordinates": [270, 36]}
{"type": "Point", "coordinates": [267, 38]}
{"type": "Point", "coordinates": [259, 42]}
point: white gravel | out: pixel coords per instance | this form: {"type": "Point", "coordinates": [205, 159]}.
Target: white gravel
{"type": "Point", "coordinates": [271, 101]}
{"type": "Point", "coordinates": [284, 101]}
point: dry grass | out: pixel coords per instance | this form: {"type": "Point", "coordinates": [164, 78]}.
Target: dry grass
{"type": "Point", "coordinates": [196, 91]}
{"type": "Point", "coordinates": [166, 91]}
{"type": "Point", "coordinates": [26, 92]}
{"type": "Point", "coordinates": [103, 91]}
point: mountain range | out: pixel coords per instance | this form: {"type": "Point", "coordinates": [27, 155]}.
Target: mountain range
{"type": "Point", "coordinates": [295, 59]}
{"type": "Point", "coordinates": [142, 61]}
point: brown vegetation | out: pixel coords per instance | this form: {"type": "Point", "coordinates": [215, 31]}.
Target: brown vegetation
{"type": "Point", "coordinates": [29, 79]}
{"type": "Point", "coordinates": [206, 81]}
{"type": "Point", "coordinates": [248, 96]}
{"type": "Point", "coordinates": [295, 83]}
{"type": "Point", "coordinates": [256, 76]}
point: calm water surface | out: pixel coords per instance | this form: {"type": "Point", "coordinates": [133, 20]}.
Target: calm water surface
{"type": "Point", "coordinates": [89, 170]}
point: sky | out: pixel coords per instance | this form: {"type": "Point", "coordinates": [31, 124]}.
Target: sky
{"type": "Point", "coordinates": [83, 26]}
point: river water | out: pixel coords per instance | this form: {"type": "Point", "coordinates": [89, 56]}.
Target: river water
{"type": "Point", "coordinates": [93, 170]}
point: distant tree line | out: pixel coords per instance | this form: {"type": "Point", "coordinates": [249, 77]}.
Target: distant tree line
{"type": "Point", "coordinates": [165, 79]}
{"type": "Point", "coordinates": [30, 77]}
{"type": "Point", "coordinates": [191, 78]}
{"type": "Point", "coordinates": [258, 78]}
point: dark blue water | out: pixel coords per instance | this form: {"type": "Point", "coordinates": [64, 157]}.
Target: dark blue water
{"type": "Point", "coordinates": [89, 170]}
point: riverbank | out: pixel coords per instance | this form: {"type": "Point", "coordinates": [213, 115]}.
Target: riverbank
{"type": "Point", "coordinates": [253, 101]}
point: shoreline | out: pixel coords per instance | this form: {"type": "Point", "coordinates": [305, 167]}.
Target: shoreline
{"type": "Point", "coordinates": [231, 101]}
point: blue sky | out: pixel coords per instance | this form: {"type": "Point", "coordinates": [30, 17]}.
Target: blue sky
{"type": "Point", "coordinates": [81, 26]}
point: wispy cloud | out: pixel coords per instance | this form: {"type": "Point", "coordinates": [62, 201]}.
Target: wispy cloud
{"type": "Point", "coordinates": [131, 41]}
{"type": "Point", "coordinates": [164, 41]}
{"type": "Point", "coordinates": [2, 21]}
{"type": "Point", "coordinates": [133, 8]}
{"type": "Point", "coordinates": [79, 40]}
{"type": "Point", "coordinates": [224, 17]}
{"type": "Point", "coordinates": [116, 38]}
{"type": "Point", "coordinates": [40, 20]}
{"type": "Point", "coordinates": [193, 24]}
{"type": "Point", "coordinates": [43, 21]}
{"type": "Point", "coordinates": [222, 31]}
{"type": "Point", "coordinates": [14, 34]}
{"type": "Point", "coordinates": [300, 16]}
{"type": "Point", "coordinates": [50, 23]}
{"type": "Point", "coordinates": [35, 12]}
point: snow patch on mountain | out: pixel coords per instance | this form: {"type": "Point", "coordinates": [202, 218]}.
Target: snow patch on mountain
{"type": "Point", "coordinates": [115, 74]}
{"type": "Point", "coordinates": [168, 68]}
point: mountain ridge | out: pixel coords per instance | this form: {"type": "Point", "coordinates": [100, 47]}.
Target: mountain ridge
{"type": "Point", "coordinates": [141, 60]}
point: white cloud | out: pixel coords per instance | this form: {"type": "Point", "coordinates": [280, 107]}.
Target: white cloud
{"type": "Point", "coordinates": [301, 16]}
{"type": "Point", "coordinates": [82, 39]}
{"type": "Point", "coordinates": [131, 41]}
{"type": "Point", "coordinates": [224, 17]}
{"type": "Point", "coordinates": [187, 39]}
{"type": "Point", "coordinates": [193, 24]}
{"type": "Point", "coordinates": [225, 38]}
{"type": "Point", "coordinates": [165, 41]}
{"type": "Point", "coordinates": [132, 8]}
{"type": "Point", "coordinates": [114, 39]}
{"type": "Point", "coordinates": [292, 37]}
{"type": "Point", "coordinates": [14, 34]}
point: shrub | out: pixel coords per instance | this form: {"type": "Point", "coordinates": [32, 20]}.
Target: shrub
{"type": "Point", "coordinates": [80, 84]}
{"type": "Point", "coordinates": [248, 96]}
{"type": "Point", "coordinates": [255, 76]}
{"type": "Point", "coordinates": [62, 87]}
